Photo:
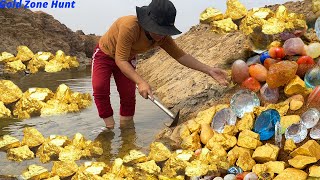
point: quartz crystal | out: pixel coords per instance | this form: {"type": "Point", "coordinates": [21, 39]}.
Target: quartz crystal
{"type": "Point", "coordinates": [253, 60]}
{"type": "Point", "coordinates": [315, 132]}
{"type": "Point", "coordinates": [310, 118]}
{"type": "Point", "coordinates": [277, 134]}
{"type": "Point", "coordinates": [244, 101]}
{"type": "Point", "coordinates": [223, 117]}
{"type": "Point", "coordinates": [312, 77]}
{"type": "Point", "coordinates": [265, 124]}
{"type": "Point", "coordinates": [235, 170]}
{"type": "Point", "coordinates": [268, 94]}
{"type": "Point", "coordinates": [296, 132]}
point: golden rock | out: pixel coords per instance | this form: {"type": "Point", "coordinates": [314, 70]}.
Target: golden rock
{"type": "Point", "coordinates": [135, 157]}
{"type": "Point", "coordinates": [72, 61]}
{"type": "Point", "coordinates": [117, 166]}
{"type": "Point", "coordinates": [210, 14]}
{"type": "Point", "coordinates": [54, 107]}
{"type": "Point", "coordinates": [14, 67]}
{"type": "Point", "coordinates": [235, 10]}
{"type": "Point", "coordinates": [206, 116]}
{"type": "Point", "coordinates": [32, 137]}
{"type": "Point", "coordinates": [162, 177]}
{"type": "Point", "coordinates": [40, 94]}
{"type": "Point", "coordinates": [265, 153]}
{"type": "Point", "coordinates": [273, 26]}
{"type": "Point", "coordinates": [314, 171]}
{"type": "Point", "coordinates": [287, 121]}
{"type": "Point", "coordinates": [225, 140]}
{"type": "Point", "coordinates": [193, 126]}
{"type": "Point", "coordinates": [64, 169]}
{"type": "Point", "coordinates": [84, 175]}
{"type": "Point", "coordinates": [159, 152]}
{"type": "Point", "coordinates": [224, 26]}
{"type": "Point", "coordinates": [310, 148]}
{"type": "Point", "coordinates": [246, 123]}
{"type": "Point", "coordinates": [196, 168]}
{"type": "Point", "coordinates": [184, 131]}
{"type": "Point", "coordinates": [276, 166]}
{"type": "Point", "coordinates": [110, 176]}
{"type": "Point", "coordinates": [316, 6]}
{"type": "Point", "coordinates": [54, 178]}
{"type": "Point", "coordinates": [259, 168]}
{"type": "Point", "coordinates": [292, 174]}
{"type": "Point", "coordinates": [275, 44]}
{"type": "Point", "coordinates": [150, 167]}
{"type": "Point", "coordinates": [300, 162]}
{"type": "Point", "coordinates": [8, 142]}
{"type": "Point", "coordinates": [26, 107]}
{"type": "Point", "coordinates": [34, 65]}
{"type": "Point", "coordinates": [82, 100]}
{"type": "Point", "coordinates": [51, 148]}
{"type": "Point", "coordinates": [70, 153]}
{"type": "Point", "coordinates": [296, 104]}
{"type": "Point", "coordinates": [9, 92]}
{"type": "Point", "coordinates": [96, 168]}
{"type": "Point", "coordinates": [289, 145]}
{"type": "Point", "coordinates": [79, 141]}
{"type": "Point", "coordinates": [94, 149]}
{"type": "Point", "coordinates": [296, 86]}
{"type": "Point", "coordinates": [203, 155]}
{"type": "Point", "coordinates": [177, 162]}
{"type": "Point", "coordinates": [206, 133]}
{"type": "Point", "coordinates": [236, 152]}
{"type": "Point", "coordinates": [255, 18]}
{"type": "Point", "coordinates": [230, 130]}
{"type": "Point", "coordinates": [53, 66]}
{"type": "Point", "coordinates": [281, 107]}
{"type": "Point", "coordinates": [245, 162]}
{"type": "Point", "coordinates": [24, 53]}
{"type": "Point", "coordinates": [44, 56]}
{"type": "Point", "coordinates": [218, 150]}
{"type": "Point", "coordinates": [191, 142]}
{"type": "Point", "coordinates": [19, 154]}
{"type": "Point", "coordinates": [35, 172]}
{"type": "Point", "coordinates": [7, 57]}
{"type": "Point", "coordinates": [249, 139]}
{"type": "Point", "coordinates": [4, 111]}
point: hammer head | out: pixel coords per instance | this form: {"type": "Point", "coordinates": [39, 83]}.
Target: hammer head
{"type": "Point", "coordinates": [175, 121]}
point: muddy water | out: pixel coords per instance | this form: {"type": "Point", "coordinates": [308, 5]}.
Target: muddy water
{"type": "Point", "coordinates": [148, 120]}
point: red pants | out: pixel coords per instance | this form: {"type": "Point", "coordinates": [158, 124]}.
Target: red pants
{"type": "Point", "coordinates": [102, 68]}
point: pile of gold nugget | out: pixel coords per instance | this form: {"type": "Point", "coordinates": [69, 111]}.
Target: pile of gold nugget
{"type": "Point", "coordinates": [268, 21]}
{"type": "Point", "coordinates": [39, 101]}
{"type": "Point", "coordinates": [27, 60]}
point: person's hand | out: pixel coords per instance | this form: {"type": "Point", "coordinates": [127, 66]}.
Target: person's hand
{"type": "Point", "coordinates": [219, 75]}
{"type": "Point", "coordinates": [145, 89]}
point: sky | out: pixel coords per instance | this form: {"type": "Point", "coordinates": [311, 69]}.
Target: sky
{"type": "Point", "coordinates": [95, 16]}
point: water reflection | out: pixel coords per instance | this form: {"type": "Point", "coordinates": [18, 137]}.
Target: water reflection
{"type": "Point", "coordinates": [138, 135]}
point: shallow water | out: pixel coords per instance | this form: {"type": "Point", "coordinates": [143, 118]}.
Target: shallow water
{"type": "Point", "coordinates": [148, 121]}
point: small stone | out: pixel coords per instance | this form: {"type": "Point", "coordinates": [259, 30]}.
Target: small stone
{"type": "Point", "coordinates": [281, 73]}
{"type": "Point", "coordinates": [310, 118]}
{"type": "Point", "coordinates": [218, 178]}
{"type": "Point", "coordinates": [278, 135]}
{"type": "Point", "coordinates": [35, 172]}
{"type": "Point", "coordinates": [269, 61]}
{"type": "Point", "coordinates": [259, 72]}
{"type": "Point", "coordinates": [236, 152]}
{"type": "Point", "coordinates": [310, 148]}
{"type": "Point", "coordinates": [235, 170]}
{"type": "Point", "coordinates": [313, 50]}
{"type": "Point", "coordinates": [264, 56]}
{"type": "Point", "coordinates": [296, 86]}
{"type": "Point", "coordinates": [312, 77]}
{"type": "Point", "coordinates": [296, 104]}
{"type": "Point", "coordinates": [251, 84]}
{"type": "Point", "coordinates": [193, 126]}
{"type": "Point", "coordinates": [8, 142]}
{"type": "Point", "coordinates": [292, 174]}
{"type": "Point", "coordinates": [251, 176]}
{"type": "Point", "coordinates": [206, 116]}
{"type": "Point", "coordinates": [32, 137]}
{"type": "Point", "coordinates": [246, 122]}
{"type": "Point", "coordinates": [225, 140]}
{"type": "Point", "coordinates": [224, 117]}
{"type": "Point", "coordinates": [246, 162]}
{"type": "Point", "coordinates": [300, 162]}
{"type": "Point", "coordinates": [314, 171]}
{"type": "Point", "coordinates": [314, 98]}
{"type": "Point", "coordinates": [297, 132]}
{"type": "Point", "coordinates": [253, 60]}
{"type": "Point", "coordinates": [287, 121]}
{"type": "Point", "coordinates": [230, 177]}
{"type": "Point", "coordinates": [277, 52]}
{"type": "Point", "coordinates": [20, 154]}
{"type": "Point", "coordinates": [240, 71]}
{"type": "Point", "coordinates": [294, 46]}
{"type": "Point", "coordinates": [191, 142]}
{"type": "Point", "coordinates": [243, 102]}
{"type": "Point", "coordinates": [315, 132]}
{"type": "Point", "coordinates": [230, 130]}
{"type": "Point", "coordinates": [249, 139]}
{"type": "Point", "coordinates": [265, 124]}
{"type": "Point", "coordinates": [265, 153]}
{"type": "Point", "coordinates": [269, 95]}
{"type": "Point", "coordinates": [289, 145]}
{"type": "Point", "coordinates": [276, 166]}
{"type": "Point", "coordinates": [260, 168]}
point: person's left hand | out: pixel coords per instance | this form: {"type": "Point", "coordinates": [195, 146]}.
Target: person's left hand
{"type": "Point", "coordinates": [219, 75]}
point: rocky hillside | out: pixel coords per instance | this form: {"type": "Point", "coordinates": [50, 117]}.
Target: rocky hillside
{"type": "Point", "coordinates": [41, 32]}
{"type": "Point", "coordinates": [190, 91]}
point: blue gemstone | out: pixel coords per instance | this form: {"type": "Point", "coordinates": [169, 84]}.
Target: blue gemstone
{"type": "Point", "coordinates": [264, 56]}
{"type": "Point", "coordinates": [235, 170]}
{"type": "Point", "coordinates": [265, 124]}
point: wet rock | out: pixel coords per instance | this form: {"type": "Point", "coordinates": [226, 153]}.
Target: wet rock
{"type": "Point", "coordinates": [64, 168]}
{"type": "Point", "coordinates": [265, 153]}
{"type": "Point", "coordinates": [32, 137]}
{"type": "Point", "coordinates": [134, 157]}
{"type": "Point", "coordinates": [8, 142]}
{"type": "Point", "coordinates": [4, 111]}
{"type": "Point", "coordinates": [159, 152]}
{"type": "Point", "coordinates": [10, 92]}
{"type": "Point", "coordinates": [300, 162]}
{"type": "Point", "coordinates": [35, 172]}
{"type": "Point", "coordinates": [150, 167]}
{"type": "Point", "coordinates": [20, 154]}
{"type": "Point", "coordinates": [292, 174]}
{"type": "Point", "coordinates": [14, 67]}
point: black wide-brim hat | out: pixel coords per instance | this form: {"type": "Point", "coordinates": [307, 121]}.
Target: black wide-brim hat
{"type": "Point", "coordinates": [158, 17]}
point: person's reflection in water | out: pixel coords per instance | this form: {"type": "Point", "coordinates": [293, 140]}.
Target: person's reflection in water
{"type": "Point", "coordinates": [105, 138]}
{"type": "Point", "coordinates": [127, 138]}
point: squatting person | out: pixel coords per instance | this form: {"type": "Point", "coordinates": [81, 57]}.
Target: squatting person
{"type": "Point", "coordinates": [115, 54]}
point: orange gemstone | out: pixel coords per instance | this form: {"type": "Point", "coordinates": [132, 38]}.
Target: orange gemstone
{"type": "Point", "coordinates": [269, 61]}
{"type": "Point", "coordinates": [251, 84]}
{"type": "Point", "coordinates": [259, 72]}
{"type": "Point", "coordinates": [277, 52]}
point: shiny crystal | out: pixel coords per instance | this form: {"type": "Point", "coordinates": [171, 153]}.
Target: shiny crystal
{"type": "Point", "coordinates": [310, 118]}
{"type": "Point", "coordinates": [223, 117]}
{"type": "Point", "coordinates": [296, 132]}
{"type": "Point", "coordinates": [265, 124]}
{"type": "Point", "coordinates": [277, 134]}
{"type": "Point", "coordinates": [312, 77]}
{"type": "Point", "coordinates": [244, 101]}
{"type": "Point", "coordinates": [315, 132]}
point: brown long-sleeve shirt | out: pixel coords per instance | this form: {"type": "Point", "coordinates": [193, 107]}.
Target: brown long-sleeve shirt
{"type": "Point", "coordinates": [126, 38]}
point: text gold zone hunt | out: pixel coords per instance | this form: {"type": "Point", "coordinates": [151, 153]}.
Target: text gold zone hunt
{"type": "Point", "coordinates": [28, 4]}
